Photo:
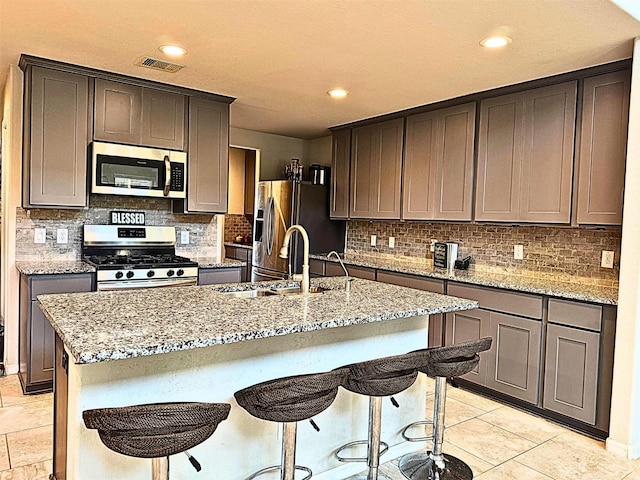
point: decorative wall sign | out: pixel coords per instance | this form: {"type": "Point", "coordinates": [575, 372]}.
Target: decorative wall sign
{"type": "Point", "coordinates": [118, 217]}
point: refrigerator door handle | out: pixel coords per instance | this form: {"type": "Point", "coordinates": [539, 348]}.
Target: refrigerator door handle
{"type": "Point", "coordinates": [269, 219]}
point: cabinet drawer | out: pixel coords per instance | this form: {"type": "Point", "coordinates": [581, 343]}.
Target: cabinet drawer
{"type": "Point", "coordinates": [335, 270]}
{"type": "Point", "coordinates": [499, 300]}
{"type": "Point", "coordinates": [237, 253]}
{"type": "Point", "coordinates": [210, 276]}
{"type": "Point", "coordinates": [412, 281]}
{"type": "Point", "coordinates": [575, 314]}
{"type": "Point", "coordinates": [60, 284]}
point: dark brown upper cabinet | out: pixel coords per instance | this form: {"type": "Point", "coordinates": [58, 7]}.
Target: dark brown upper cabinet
{"type": "Point", "coordinates": [137, 115]}
{"type": "Point", "coordinates": [525, 156]}
{"type": "Point", "coordinates": [340, 163]}
{"type": "Point", "coordinates": [603, 143]}
{"type": "Point", "coordinates": [376, 165]}
{"type": "Point", "coordinates": [438, 164]}
{"type": "Point", "coordinates": [56, 113]}
{"type": "Point", "coordinates": [208, 157]}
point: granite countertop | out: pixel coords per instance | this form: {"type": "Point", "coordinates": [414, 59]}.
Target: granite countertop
{"type": "Point", "coordinates": [212, 262]}
{"type": "Point", "coordinates": [573, 290]}
{"type": "Point", "coordinates": [247, 246]}
{"type": "Point", "coordinates": [203, 316]}
{"type": "Point", "coordinates": [54, 267]}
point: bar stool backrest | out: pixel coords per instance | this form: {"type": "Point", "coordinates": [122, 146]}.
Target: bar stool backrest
{"type": "Point", "coordinates": [385, 376]}
{"type": "Point", "coordinates": [158, 429]}
{"type": "Point", "coordinates": [292, 399]}
{"type": "Point", "coordinates": [457, 359]}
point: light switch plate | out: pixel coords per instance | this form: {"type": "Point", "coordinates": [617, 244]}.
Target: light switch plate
{"type": "Point", "coordinates": [184, 237]}
{"type": "Point", "coordinates": [40, 235]}
{"type": "Point", "coordinates": [374, 240]}
{"type": "Point", "coordinates": [392, 242]}
{"type": "Point", "coordinates": [62, 235]}
{"type": "Point", "coordinates": [432, 245]}
{"type": "Point", "coordinates": [518, 252]}
{"type": "Point", "coordinates": [607, 259]}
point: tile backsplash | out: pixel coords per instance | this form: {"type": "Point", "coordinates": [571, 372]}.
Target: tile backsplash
{"type": "Point", "coordinates": [202, 228]}
{"type": "Point", "coordinates": [557, 251]}
{"type": "Point", "coordinates": [235, 225]}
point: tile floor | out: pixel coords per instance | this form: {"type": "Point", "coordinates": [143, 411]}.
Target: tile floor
{"type": "Point", "coordinates": [496, 441]}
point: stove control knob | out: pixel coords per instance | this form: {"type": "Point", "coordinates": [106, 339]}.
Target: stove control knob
{"type": "Point", "coordinates": [180, 272]}
{"type": "Point", "coordinates": [170, 273]}
{"type": "Point", "coordinates": [150, 273]}
{"type": "Point", "coordinates": [119, 275]}
{"type": "Point", "coordinates": [130, 274]}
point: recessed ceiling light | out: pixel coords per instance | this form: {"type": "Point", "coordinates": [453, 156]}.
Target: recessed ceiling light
{"type": "Point", "coordinates": [338, 93]}
{"type": "Point", "coordinates": [495, 42]}
{"type": "Point", "coordinates": [173, 50]}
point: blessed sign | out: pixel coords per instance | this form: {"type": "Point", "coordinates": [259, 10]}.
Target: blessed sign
{"type": "Point", "coordinates": [127, 218]}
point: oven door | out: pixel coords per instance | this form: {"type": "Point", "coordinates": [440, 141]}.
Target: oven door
{"type": "Point", "coordinates": [158, 283]}
{"type": "Point", "coordinates": [139, 171]}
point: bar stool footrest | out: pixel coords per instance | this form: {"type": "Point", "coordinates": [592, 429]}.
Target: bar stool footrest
{"type": "Point", "coordinates": [279, 468]}
{"type": "Point", "coordinates": [415, 424]}
{"type": "Point", "coordinates": [384, 447]}
{"type": "Point", "coordinates": [420, 466]}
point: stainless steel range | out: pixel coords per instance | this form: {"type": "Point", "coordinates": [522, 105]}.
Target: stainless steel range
{"type": "Point", "coordinates": [136, 257]}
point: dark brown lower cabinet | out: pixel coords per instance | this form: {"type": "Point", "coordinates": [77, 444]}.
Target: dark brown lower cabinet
{"type": "Point", "coordinates": [210, 276]}
{"type": "Point", "coordinates": [513, 365]}
{"type": "Point", "coordinates": [571, 372]}
{"type": "Point", "coordinates": [36, 346]}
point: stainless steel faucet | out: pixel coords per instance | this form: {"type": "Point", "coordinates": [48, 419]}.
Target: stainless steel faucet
{"type": "Point", "coordinates": [284, 253]}
{"type": "Point", "coordinates": [347, 284]}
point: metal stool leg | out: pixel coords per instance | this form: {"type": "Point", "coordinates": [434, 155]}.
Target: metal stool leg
{"type": "Point", "coordinates": [435, 465]}
{"type": "Point", "coordinates": [374, 444]}
{"type": "Point", "coordinates": [160, 468]}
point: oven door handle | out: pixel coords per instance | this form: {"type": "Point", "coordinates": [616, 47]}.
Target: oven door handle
{"type": "Point", "coordinates": [111, 286]}
{"type": "Point", "coordinates": [167, 175]}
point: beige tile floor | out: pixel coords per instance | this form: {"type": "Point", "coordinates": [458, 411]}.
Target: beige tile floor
{"type": "Point", "coordinates": [496, 441]}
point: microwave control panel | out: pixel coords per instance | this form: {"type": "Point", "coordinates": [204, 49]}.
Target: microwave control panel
{"type": "Point", "coordinates": [177, 177]}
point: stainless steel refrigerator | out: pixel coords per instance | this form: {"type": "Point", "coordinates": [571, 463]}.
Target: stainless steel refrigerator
{"type": "Point", "coordinates": [280, 204]}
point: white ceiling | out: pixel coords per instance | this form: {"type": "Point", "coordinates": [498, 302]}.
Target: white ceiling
{"type": "Point", "coordinates": [279, 57]}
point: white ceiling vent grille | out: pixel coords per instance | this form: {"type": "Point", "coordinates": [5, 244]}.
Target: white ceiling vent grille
{"type": "Point", "coordinates": [150, 62]}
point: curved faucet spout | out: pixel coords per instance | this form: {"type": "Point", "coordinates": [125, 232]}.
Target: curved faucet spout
{"type": "Point", "coordinates": [284, 253]}
{"type": "Point", "coordinates": [347, 285]}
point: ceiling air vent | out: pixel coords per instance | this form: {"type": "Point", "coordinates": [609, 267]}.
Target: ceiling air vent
{"type": "Point", "coordinates": [159, 64]}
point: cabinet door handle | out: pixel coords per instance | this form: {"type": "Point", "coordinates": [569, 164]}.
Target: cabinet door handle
{"type": "Point", "coordinates": [167, 169]}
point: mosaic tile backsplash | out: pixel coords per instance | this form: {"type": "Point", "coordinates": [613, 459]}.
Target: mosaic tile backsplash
{"type": "Point", "coordinates": [202, 228]}
{"type": "Point", "coordinates": [557, 251]}
{"type": "Point", "coordinates": [235, 225]}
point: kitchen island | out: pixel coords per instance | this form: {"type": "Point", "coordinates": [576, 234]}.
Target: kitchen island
{"type": "Point", "coordinates": [203, 344]}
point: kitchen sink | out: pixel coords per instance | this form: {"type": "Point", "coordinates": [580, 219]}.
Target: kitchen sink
{"type": "Point", "coordinates": [261, 292]}
{"type": "Point", "coordinates": [266, 292]}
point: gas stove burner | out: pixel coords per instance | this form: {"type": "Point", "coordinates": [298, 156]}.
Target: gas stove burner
{"type": "Point", "coordinates": [146, 260]}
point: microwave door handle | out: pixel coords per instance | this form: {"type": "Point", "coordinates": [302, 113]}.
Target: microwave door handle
{"type": "Point", "coordinates": [167, 174]}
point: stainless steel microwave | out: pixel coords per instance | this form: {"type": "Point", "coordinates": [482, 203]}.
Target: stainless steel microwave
{"type": "Point", "coordinates": [139, 171]}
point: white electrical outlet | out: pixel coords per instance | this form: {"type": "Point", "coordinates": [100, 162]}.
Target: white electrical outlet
{"type": "Point", "coordinates": [432, 245]}
{"type": "Point", "coordinates": [40, 235]}
{"type": "Point", "coordinates": [518, 252]}
{"type": "Point", "coordinates": [392, 242]}
{"type": "Point", "coordinates": [607, 259]}
{"type": "Point", "coordinates": [184, 237]}
{"type": "Point", "coordinates": [62, 235]}
{"type": "Point", "coordinates": [374, 240]}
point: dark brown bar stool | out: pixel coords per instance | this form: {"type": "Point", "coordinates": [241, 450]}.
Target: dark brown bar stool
{"type": "Point", "coordinates": [445, 362]}
{"type": "Point", "coordinates": [157, 430]}
{"type": "Point", "coordinates": [379, 378]}
{"type": "Point", "coordinates": [287, 401]}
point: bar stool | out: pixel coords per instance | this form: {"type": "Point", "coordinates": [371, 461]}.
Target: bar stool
{"type": "Point", "coordinates": [379, 378]}
{"type": "Point", "coordinates": [157, 430]}
{"type": "Point", "coordinates": [446, 362]}
{"type": "Point", "coordinates": [289, 400]}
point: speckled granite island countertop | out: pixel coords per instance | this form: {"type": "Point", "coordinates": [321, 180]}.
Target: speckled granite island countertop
{"type": "Point", "coordinates": [101, 326]}
{"type": "Point", "coordinates": [572, 290]}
